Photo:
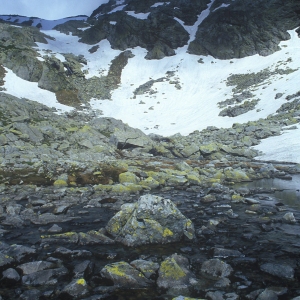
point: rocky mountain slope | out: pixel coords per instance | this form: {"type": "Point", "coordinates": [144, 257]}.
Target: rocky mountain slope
{"type": "Point", "coordinates": [178, 98]}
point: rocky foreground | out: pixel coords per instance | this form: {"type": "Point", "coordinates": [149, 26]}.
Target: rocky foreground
{"type": "Point", "coordinates": [93, 209]}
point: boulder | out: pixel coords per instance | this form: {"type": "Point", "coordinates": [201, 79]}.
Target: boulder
{"type": "Point", "coordinates": [148, 268]}
{"type": "Point", "coordinates": [76, 288]}
{"type": "Point", "coordinates": [174, 272]}
{"type": "Point", "coordinates": [121, 134]}
{"type": "Point", "coordinates": [216, 268]}
{"type": "Point", "coordinates": [10, 277]}
{"type": "Point", "coordinates": [44, 277]}
{"type": "Point", "coordinates": [151, 220]}
{"type": "Point", "coordinates": [124, 275]}
{"type": "Point", "coordinates": [35, 266]}
{"type": "Point", "coordinates": [279, 270]}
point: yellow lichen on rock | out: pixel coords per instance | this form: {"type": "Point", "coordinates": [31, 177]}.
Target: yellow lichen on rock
{"type": "Point", "coordinates": [60, 182]}
{"type": "Point", "coordinates": [170, 269]}
{"type": "Point", "coordinates": [81, 281]}
{"type": "Point", "coordinates": [167, 232]}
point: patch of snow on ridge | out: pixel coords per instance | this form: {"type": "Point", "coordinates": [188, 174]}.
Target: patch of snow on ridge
{"type": "Point", "coordinates": [159, 4]}
{"type": "Point", "coordinates": [21, 88]}
{"type": "Point", "coordinates": [285, 147]}
{"type": "Point", "coordinates": [97, 63]}
{"type": "Point", "coordinates": [142, 16]}
{"type": "Point", "coordinates": [221, 6]}
{"type": "Point", "coordinates": [195, 105]}
{"type": "Point", "coordinates": [118, 8]}
{"type": "Point", "coordinates": [45, 24]}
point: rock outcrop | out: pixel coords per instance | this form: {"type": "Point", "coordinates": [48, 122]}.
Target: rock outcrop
{"type": "Point", "coordinates": [151, 220]}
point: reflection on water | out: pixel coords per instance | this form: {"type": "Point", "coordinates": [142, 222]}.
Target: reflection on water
{"type": "Point", "coordinates": [289, 193]}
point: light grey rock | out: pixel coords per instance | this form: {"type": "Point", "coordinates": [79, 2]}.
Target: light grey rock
{"type": "Point", "coordinates": [216, 268]}
{"type": "Point", "coordinates": [289, 218]}
{"type": "Point", "coordinates": [279, 270]}
{"type": "Point", "coordinates": [10, 276]}
{"type": "Point", "coordinates": [267, 295]}
{"type": "Point", "coordinates": [152, 219]}
{"type": "Point", "coordinates": [32, 267]}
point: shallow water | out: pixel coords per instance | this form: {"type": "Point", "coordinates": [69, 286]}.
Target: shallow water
{"type": "Point", "coordinates": [286, 191]}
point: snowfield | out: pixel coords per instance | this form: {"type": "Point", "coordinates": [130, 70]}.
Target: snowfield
{"type": "Point", "coordinates": [188, 100]}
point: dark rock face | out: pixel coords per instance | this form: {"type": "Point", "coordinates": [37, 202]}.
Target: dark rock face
{"type": "Point", "coordinates": [246, 28]}
{"type": "Point", "coordinates": [159, 33]}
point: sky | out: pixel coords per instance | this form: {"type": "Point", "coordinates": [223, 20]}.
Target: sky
{"type": "Point", "coordinates": [49, 9]}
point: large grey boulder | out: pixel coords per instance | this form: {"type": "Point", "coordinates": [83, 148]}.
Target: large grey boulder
{"type": "Point", "coordinates": [120, 134]}
{"type": "Point", "coordinates": [151, 220]}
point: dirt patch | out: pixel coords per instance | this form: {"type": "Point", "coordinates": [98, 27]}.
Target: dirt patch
{"type": "Point", "coordinates": [68, 97]}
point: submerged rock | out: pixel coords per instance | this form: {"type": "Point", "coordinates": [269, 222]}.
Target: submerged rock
{"type": "Point", "coordinates": [151, 220]}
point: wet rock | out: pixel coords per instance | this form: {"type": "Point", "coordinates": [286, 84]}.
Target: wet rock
{"type": "Point", "coordinates": [77, 288]}
{"type": "Point", "coordinates": [67, 253]}
{"type": "Point", "coordinates": [94, 237]}
{"type": "Point", "coordinates": [221, 252]}
{"type": "Point", "coordinates": [208, 198]}
{"type": "Point", "coordinates": [67, 237]}
{"type": "Point", "coordinates": [289, 218]}
{"type": "Point", "coordinates": [217, 295]}
{"type": "Point", "coordinates": [148, 268]}
{"type": "Point", "coordinates": [47, 218]}
{"type": "Point", "coordinates": [5, 261]}
{"type": "Point", "coordinates": [83, 269]}
{"type": "Point", "coordinates": [216, 268]}
{"type": "Point", "coordinates": [280, 270]}
{"type": "Point", "coordinates": [31, 295]}
{"type": "Point", "coordinates": [32, 267]}
{"type": "Point", "coordinates": [45, 277]}
{"type": "Point", "coordinates": [124, 275]}
{"type": "Point", "coordinates": [222, 283]}
{"type": "Point", "coordinates": [267, 295]}
{"type": "Point", "coordinates": [152, 219]}
{"type": "Point", "coordinates": [55, 229]}
{"type": "Point", "coordinates": [185, 298]}
{"type": "Point", "coordinates": [10, 277]}
{"type": "Point", "coordinates": [20, 253]}
{"type": "Point", "coordinates": [174, 274]}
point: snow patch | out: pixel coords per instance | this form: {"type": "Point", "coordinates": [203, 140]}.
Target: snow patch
{"type": "Point", "coordinates": [20, 88]}
{"type": "Point", "coordinates": [142, 16]}
{"type": "Point", "coordinates": [159, 4]}
{"type": "Point", "coordinates": [285, 147]}
{"type": "Point", "coordinates": [221, 6]}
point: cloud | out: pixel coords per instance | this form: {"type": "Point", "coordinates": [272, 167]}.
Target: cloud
{"type": "Point", "coordinates": [49, 9]}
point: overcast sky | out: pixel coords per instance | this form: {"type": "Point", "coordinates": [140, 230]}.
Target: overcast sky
{"type": "Point", "coordinates": [49, 9]}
